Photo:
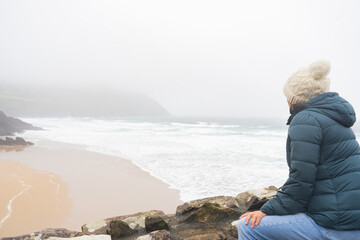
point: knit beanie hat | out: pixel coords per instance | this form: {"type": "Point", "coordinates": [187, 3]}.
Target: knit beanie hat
{"type": "Point", "coordinates": [308, 82]}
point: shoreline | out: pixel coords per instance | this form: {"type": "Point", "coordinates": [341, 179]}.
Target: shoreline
{"type": "Point", "coordinates": [99, 186]}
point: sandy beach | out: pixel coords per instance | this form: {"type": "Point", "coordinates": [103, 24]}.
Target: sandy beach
{"type": "Point", "coordinates": [56, 184]}
{"type": "Point", "coordinates": [30, 199]}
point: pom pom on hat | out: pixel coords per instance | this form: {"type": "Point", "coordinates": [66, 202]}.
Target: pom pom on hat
{"type": "Point", "coordinates": [319, 69]}
{"type": "Point", "coordinates": [308, 82]}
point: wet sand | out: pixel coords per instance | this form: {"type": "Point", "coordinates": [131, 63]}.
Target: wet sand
{"type": "Point", "coordinates": [30, 199]}
{"type": "Point", "coordinates": [97, 186]}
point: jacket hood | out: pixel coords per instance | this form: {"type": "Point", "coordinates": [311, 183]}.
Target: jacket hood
{"type": "Point", "coordinates": [333, 106]}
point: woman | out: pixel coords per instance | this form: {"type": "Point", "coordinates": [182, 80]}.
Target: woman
{"type": "Point", "coordinates": [321, 198]}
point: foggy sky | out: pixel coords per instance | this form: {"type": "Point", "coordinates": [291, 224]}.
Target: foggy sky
{"type": "Point", "coordinates": [196, 58]}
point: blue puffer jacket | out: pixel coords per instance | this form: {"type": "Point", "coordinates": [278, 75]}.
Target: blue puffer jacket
{"type": "Point", "coordinates": [324, 160]}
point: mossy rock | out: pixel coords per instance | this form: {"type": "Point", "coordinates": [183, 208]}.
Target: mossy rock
{"type": "Point", "coordinates": [211, 212]}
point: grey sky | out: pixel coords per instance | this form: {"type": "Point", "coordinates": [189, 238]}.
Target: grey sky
{"type": "Point", "coordinates": [203, 58]}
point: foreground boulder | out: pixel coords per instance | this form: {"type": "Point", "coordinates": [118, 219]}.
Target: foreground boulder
{"type": "Point", "coordinates": [224, 201]}
{"type": "Point", "coordinates": [118, 229]}
{"type": "Point", "coordinates": [156, 235]}
{"type": "Point", "coordinates": [46, 233]}
{"type": "Point", "coordinates": [92, 237]}
{"type": "Point", "coordinates": [210, 212]}
{"type": "Point", "coordinates": [124, 225]}
{"type": "Point", "coordinates": [204, 219]}
{"type": "Point", "coordinates": [254, 199]}
{"type": "Point", "coordinates": [153, 223]}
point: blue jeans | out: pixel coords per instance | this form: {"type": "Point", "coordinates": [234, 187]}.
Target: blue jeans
{"type": "Point", "coordinates": [292, 227]}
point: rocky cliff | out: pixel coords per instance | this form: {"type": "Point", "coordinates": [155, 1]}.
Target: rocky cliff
{"type": "Point", "coordinates": [204, 219]}
{"type": "Point", "coordinates": [10, 125]}
{"type": "Point", "coordinates": [84, 102]}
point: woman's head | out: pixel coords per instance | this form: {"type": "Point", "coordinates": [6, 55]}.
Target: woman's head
{"type": "Point", "coordinates": [308, 82]}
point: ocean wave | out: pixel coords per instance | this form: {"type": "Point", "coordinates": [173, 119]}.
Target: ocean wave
{"type": "Point", "coordinates": [200, 158]}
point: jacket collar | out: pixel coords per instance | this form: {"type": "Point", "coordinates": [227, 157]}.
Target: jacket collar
{"type": "Point", "coordinates": [296, 109]}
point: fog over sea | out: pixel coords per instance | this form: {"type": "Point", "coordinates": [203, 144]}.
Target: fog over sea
{"type": "Point", "coordinates": [202, 157]}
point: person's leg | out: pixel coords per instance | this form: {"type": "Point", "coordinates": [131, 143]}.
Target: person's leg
{"type": "Point", "coordinates": [292, 227]}
{"type": "Point", "coordinates": [331, 234]}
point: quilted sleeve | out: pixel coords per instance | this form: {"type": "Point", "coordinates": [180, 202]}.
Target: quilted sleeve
{"type": "Point", "coordinates": [305, 135]}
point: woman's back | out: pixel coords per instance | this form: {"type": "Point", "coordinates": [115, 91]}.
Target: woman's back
{"type": "Point", "coordinates": [335, 201]}
{"type": "Point", "coordinates": [324, 160]}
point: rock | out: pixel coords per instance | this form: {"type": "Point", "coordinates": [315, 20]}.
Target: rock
{"type": "Point", "coordinates": [204, 234]}
{"type": "Point", "coordinates": [119, 229]}
{"type": "Point", "coordinates": [134, 221]}
{"type": "Point", "coordinates": [115, 228]}
{"type": "Point", "coordinates": [98, 227]}
{"type": "Point", "coordinates": [88, 237]}
{"type": "Point", "coordinates": [18, 141]}
{"type": "Point", "coordinates": [233, 230]}
{"type": "Point", "coordinates": [10, 125]}
{"type": "Point", "coordinates": [46, 233]}
{"type": "Point", "coordinates": [210, 236]}
{"type": "Point", "coordinates": [145, 237]}
{"type": "Point", "coordinates": [156, 235]}
{"type": "Point", "coordinates": [225, 201]}
{"type": "Point", "coordinates": [213, 218]}
{"type": "Point", "coordinates": [211, 212]}
{"type": "Point", "coordinates": [137, 221]}
{"type": "Point", "coordinates": [9, 141]}
{"type": "Point", "coordinates": [153, 223]}
{"type": "Point", "coordinates": [254, 199]}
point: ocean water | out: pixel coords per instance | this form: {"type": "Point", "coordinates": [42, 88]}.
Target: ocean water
{"type": "Point", "coordinates": [201, 157]}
